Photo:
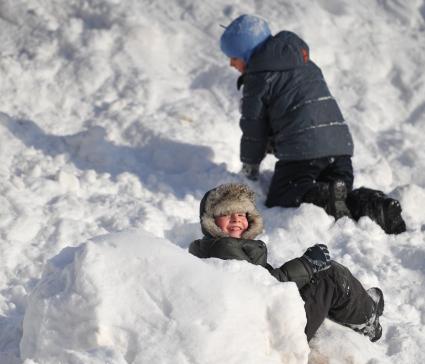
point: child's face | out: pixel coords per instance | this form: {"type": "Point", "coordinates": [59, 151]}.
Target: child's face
{"type": "Point", "coordinates": [234, 224]}
{"type": "Point", "coordinates": [238, 63]}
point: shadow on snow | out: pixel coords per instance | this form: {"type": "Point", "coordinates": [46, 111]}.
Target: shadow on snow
{"type": "Point", "coordinates": [161, 164]}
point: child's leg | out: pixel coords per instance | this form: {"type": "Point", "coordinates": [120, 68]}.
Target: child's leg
{"type": "Point", "coordinates": [337, 294]}
{"type": "Point", "coordinates": [291, 180]}
{"type": "Point", "coordinates": [340, 169]}
{"type": "Point", "coordinates": [355, 307]}
{"type": "Point", "coordinates": [382, 209]}
{"type": "Point", "coordinates": [333, 184]}
{"type": "Point", "coordinates": [351, 304]}
{"type": "Point", "coordinates": [317, 298]}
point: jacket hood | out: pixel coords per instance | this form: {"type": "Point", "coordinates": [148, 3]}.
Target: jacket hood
{"type": "Point", "coordinates": [225, 199]}
{"type": "Point", "coordinates": [281, 52]}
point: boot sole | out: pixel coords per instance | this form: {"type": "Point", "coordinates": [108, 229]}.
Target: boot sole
{"type": "Point", "coordinates": [378, 296]}
{"type": "Point", "coordinates": [393, 222]}
{"type": "Point", "coordinates": [338, 195]}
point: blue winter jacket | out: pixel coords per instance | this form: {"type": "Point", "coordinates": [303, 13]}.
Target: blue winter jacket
{"type": "Point", "coordinates": [286, 101]}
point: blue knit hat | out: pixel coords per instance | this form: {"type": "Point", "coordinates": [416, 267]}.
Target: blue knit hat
{"type": "Point", "coordinates": [243, 36]}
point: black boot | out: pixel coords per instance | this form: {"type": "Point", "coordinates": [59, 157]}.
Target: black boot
{"type": "Point", "coordinates": [385, 211]}
{"type": "Point", "coordinates": [393, 222]}
{"type": "Point", "coordinates": [372, 328]}
{"type": "Point", "coordinates": [330, 196]}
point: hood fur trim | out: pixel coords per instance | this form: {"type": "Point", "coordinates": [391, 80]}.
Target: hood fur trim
{"type": "Point", "coordinates": [229, 198]}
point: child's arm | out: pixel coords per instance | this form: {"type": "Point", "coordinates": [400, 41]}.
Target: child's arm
{"type": "Point", "coordinates": [293, 271]}
{"type": "Point", "coordinates": [254, 123]}
{"type": "Point", "coordinates": [301, 270]}
{"type": "Point", "coordinates": [253, 251]}
{"type": "Point", "coordinates": [298, 270]}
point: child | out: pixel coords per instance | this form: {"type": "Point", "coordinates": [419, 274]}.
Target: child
{"type": "Point", "coordinates": [230, 222]}
{"type": "Point", "coordinates": [288, 109]}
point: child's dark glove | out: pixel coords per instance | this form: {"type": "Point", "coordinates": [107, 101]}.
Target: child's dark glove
{"type": "Point", "coordinates": [250, 171]}
{"type": "Point", "coordinates": [317, 257]}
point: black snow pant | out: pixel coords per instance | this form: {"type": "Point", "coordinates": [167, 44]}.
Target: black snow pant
{"type": "Point", "coordinates": [335, 294]}
{"type": "Point", "coordinates": [308, 181]}
{"type": "Point", "coordinates": [292, 179]}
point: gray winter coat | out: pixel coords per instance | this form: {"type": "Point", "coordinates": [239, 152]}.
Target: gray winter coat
{"type": "Point", "coordinates": [286, 99]}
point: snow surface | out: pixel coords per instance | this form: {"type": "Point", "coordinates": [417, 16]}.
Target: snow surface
{"type": "Point", "coordinates": [119, 115]}
{"type": "Point", "coordinates": [83, 303]}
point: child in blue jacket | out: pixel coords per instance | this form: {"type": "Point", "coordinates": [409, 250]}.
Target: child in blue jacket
{"type": "Point", "coordinates": [288, 109]}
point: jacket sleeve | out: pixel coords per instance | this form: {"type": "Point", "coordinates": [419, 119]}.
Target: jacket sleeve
{"type": "Point", "coordinates": [253, 251]}
{"type": "Point", "coordinates": [254, 123]}
{"type": "Point", "coordinates": [293, 271]}
{"type": "Point", "coordinates": [195, 249]}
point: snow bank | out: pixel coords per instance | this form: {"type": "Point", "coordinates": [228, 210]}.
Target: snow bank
{"type": "Point", "coordinates": [133, 298]}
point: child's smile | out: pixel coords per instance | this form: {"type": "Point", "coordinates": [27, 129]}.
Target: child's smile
{"type": "Point", "coordinates": [234, 224]}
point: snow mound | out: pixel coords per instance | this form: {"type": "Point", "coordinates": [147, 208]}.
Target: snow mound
{"type": "Point", "coordinates": [335, 344]}
{"type": "Point", "coordinates": [131, 297]}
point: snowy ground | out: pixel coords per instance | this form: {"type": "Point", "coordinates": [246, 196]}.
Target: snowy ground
{"type": "Point", "coordinates": [119, 115]}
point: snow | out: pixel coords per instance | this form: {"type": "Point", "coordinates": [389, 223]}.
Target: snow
{"type": "Point", "coordinates": [180, 309]}
{"type": "Point", "coordinates": [117, 116]}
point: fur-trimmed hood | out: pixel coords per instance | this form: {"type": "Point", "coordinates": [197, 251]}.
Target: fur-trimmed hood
{"type": "Point", "coordinates": [225, 199]}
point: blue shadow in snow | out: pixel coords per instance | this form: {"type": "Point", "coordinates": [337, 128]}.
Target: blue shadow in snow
{"type": "Point", "coordinates": [161, 164]}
